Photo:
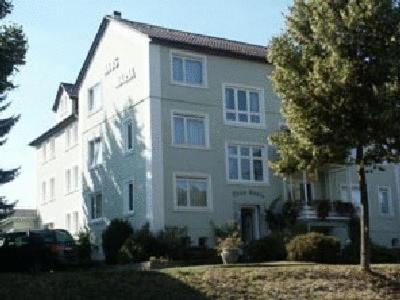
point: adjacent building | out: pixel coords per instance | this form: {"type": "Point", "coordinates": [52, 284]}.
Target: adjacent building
{"type": "Point", "coordinates": [170, 128]}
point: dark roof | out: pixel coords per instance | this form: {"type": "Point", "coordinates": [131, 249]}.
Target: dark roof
{"type": "Point", "coordinates": [68, 88]}
{"type": "Point", "coordinates": [59, 126]}
{"type": "Point", "coordinates": [179, 39]}
{"type": "Point", "coordinates": [216, 45]}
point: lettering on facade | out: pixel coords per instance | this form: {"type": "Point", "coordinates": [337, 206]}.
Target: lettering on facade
{"type": "Point", "coordinates": [236, 194]}
{"type": "Point", "coordinates": [125, 77]}
{"type": "Point", "coordinates": [112, 66]}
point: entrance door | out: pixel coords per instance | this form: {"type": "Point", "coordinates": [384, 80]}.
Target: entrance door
{"type": "Point", "coordinates": [249, 224]}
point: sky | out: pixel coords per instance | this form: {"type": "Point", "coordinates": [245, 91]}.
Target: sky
{"type": "Point", "coordinates": [59, 34]}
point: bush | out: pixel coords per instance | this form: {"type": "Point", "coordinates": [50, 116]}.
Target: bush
{"type": "Point", "coordinates": [314, 247]}
{"type": "Point", "coordinates": [84, 248]}
{"type": "Point", "coordinates": [226, 230]}
{"type": "Point", "coordinates": [379, 254]}
{"type": "Point", "coordinates": [143, 244]}
{"type": "Point", "coordinates": [114, 237]}
{"type": "Point", "coordinates": [268, 248]}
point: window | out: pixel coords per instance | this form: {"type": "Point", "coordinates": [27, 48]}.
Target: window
{"type": "Point", "coordinates": [75, 133]}
{"type": "Point", "coordinates": [246, 163]}
{"type": "Point", "coordinates": [128, 135]}
{"type": "Point", "coordinates": [68, 181]}
{"type": "Point", "coordinates": [355, 195]}
{"type": "Point", "coordinates": [192, 192]}
{"type": "Point", "coordinates": [95, 152]}
{"type": "Point", "coordinates": [385, 202]}
{"type": "Point", "coordinates": [188, 70]}
{"type": "Point", "coordinates": [44, 154]}
{"type": "Point", "coordinates": [96, 205]}
{"type": "Point", "coordinates": [75, 222]}
{"type": "Point", "coordinates": [68, 222]}
{"type": "Point", "coordinates": [76, 177]}
{"type": "Point", "coordinates": [68, 140]}
{"type": "Point", "coordinates": [129, 196]}
{"type": "Point", "coordinates": [190, 130]}
{"type": "Point", "coordinates": [52, 189]}
{"type": "Point", "coordinates": [52, 146]}
{"type": "Point", "coordinates": [243, 105]}
{"type": "Point", "coordinates": [94, 98]}
{"type": "Point", "coordinates": [43, 192]}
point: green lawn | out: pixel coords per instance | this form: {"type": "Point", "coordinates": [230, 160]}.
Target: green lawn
{"type": "Point", "coordinates": [214, 282]}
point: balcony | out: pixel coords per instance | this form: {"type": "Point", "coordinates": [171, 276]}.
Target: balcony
{"type": "Point", "coordinates": [326, 210]}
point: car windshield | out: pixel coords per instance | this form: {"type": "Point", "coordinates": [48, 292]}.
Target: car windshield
{"type": "Point", "coordinates": [63, 237]}
{"type": "Point", "coordinates": [47, 235]}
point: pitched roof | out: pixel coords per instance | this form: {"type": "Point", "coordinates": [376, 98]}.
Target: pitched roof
{"type": "Point", "coordinates": [180, 39]}
{"type": "Point", "coordinates": [56, 128]}
{"type": "Point", "coordinates": [216, 45]}
{"type": "Point", "coordinates": [68, 88]}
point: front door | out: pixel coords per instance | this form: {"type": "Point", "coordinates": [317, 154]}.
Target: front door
{"type": "Point", "coordinates": [249, 224]}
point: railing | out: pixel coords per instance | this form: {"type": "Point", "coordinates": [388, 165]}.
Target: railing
{"type": "Point", "coordinates": [326, 209]}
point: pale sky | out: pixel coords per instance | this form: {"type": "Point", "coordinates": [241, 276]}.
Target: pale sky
{"type": "Point", "coordinates": [60, 33]}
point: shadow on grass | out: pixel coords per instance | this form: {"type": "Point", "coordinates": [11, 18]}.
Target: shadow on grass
{"type": "Point", "coordinates": [96, 285]}
{"type": "Point", "coordinates": [381, 280]}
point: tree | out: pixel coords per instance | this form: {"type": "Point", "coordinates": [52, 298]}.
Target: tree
{"type": "Point", "coordinates": [337, 72]}
{"type": "Point", "coordinates": [13, 46]}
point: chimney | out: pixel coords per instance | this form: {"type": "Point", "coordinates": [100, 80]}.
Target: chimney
{"type": "Point", "coordinates": [117, 14]}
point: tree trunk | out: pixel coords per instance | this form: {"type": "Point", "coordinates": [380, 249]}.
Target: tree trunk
{"type": "Point", "coordinates": [364, 219]}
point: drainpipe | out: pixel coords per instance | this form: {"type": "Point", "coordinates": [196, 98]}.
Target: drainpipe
{"type": "Point", "coordinates": [305, 186]}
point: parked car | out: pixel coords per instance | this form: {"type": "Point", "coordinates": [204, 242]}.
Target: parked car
{"type": "Point", "coordinates": [61, 245]}
{"type": "Point", "coordinates": [37, 250]}
{"type": "Point", "coordinates": [20, 251]}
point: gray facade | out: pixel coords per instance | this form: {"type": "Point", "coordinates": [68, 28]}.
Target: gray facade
{"type": "Point", "coordinates": [149, 175]}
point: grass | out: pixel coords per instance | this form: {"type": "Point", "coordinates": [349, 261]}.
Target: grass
{"type": "Point", "coordinates": [262, 281]}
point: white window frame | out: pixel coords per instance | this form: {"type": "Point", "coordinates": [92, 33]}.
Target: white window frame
{"type": "Point", "coordinates": [264, 159]}
{"type": "Point", "coordinates": [188, 114]}
{"type": "Point", "coordinates": [68, 138]}
{"type": "Point", "coordinates": [91, 163]}
{"type": "Point", "coordinates": [248, 89]}
{"type": "Point", "coordinates": [75, 222]}
{"type": "Point", "coordinates": [44, 152]}
{"type": "Point", "coordinates": [193, 175]}
{"type": "Point", "coordinates": [68, 181]}
{"type": "Point", "coordinates": [390, 201]}
{"type": "Point", "coordinates": [52, 190]}
{"type": "Point", "coordinates": [125, 135]}
{"type": "Point", "coordinates": [52, 147]}
{"type": "Point", "coordinates": [99, 107]}
{"type": "Point", "coordinates": [68, 221]}
{"type": "Point", "coordinates": [75, 177]}
{"type": "Point", "coordinates": [125, 197]}
{"type": "Point", "coordinates": [43, 192]}
{"type": "Point", "coordinates": [188, 55]}
{"type": "Point", "coordinates": [75, 133]}
{"type": "Point", "coordinates": [94, 194]}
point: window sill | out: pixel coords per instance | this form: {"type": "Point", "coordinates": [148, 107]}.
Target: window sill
{"type": "Point", "coordinates": [183, 84]}
{"type": "Point", "coordinates": [250, 183]}
{"type": "Point", "coordinates": [129, 214]}
{"type": "Point", "coordinates": [93, 112]}
{"type": "Point", "coordinates": [71, 147]}
{"type": "Point", "coordinates": [185, 146]}
{"type": "Point", "coordinates": [193, 209]}
{"type": "Point", "coordinates": [245, 125]}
